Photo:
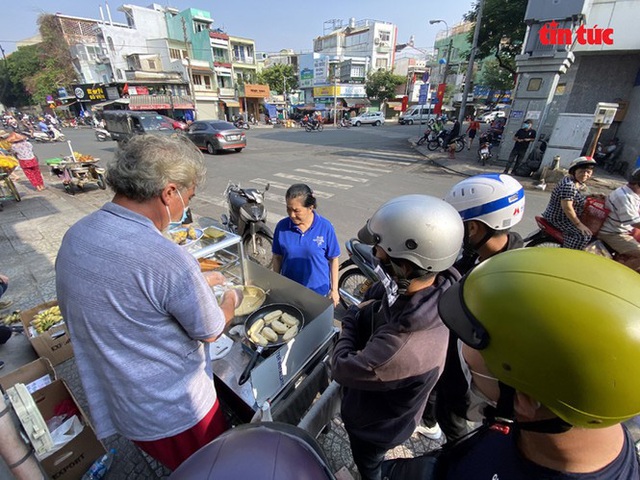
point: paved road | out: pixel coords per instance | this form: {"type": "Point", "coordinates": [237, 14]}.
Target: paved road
{"type": "Point", "coordinates": [352, 171]}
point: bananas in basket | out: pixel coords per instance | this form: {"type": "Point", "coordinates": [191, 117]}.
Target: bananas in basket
{"type": "Point", "coordinates": [13, 317]}
{"type": "Point", "coordinates": [46, 319]}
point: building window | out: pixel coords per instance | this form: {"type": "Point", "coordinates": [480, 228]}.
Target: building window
{"type": "Point", "coordinates": [197, 79]}
{"type": "Point", "coordinates": [110, 43]}
{"type": "Point", "coordinates": [534, 84]}
{"type": "Point", "coordinates": [152, 64]}
{"type": "Point", "coordinates": [185, 54]}
{"type": "Point", "coordinates": [381, 63]}
{"type": "Point", "coordinates": [207, 81]}
{"type": "Point", "coordinates": [357, 71]}
{"type": "Point", "coordinates": [200, 27]}
{"type": "Point", "coordinates": [384, 36]}
{"type": "Point", "coordinates": [175, 54]}
{"type": "Point", "coordinates": [238, 53]}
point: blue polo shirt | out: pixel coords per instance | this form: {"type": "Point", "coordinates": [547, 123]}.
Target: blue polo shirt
{"type": "Point", "coordinates": [305, 256]}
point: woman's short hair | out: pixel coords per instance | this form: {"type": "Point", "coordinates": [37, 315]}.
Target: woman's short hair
{"type": "Point", "coordinates": [304, 192]}
{"type": "Point", "coordinates": [145, 164]}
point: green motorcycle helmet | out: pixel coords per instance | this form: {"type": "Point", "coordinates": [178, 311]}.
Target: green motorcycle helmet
{"type": "Point", "coordinates": [560, 325]}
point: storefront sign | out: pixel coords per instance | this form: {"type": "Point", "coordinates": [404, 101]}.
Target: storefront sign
{"type": "Point", "coordinates": [89, 93]}
{"type": "Point", "coordinates": [306, 78]}
{"type": "Point", "coordinates": [138, 90]}
{"type": "Point", "coordinates": [328, 91]}
{"type": "Point", "coordinates": [320, 71]}
{"type": "Point", "coordinates": [353, 91]}
{"type": "Point", "coordinates": [256, 91]}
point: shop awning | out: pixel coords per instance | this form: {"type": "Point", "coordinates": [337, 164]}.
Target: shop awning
{"type": "Point", "coordinates": [357, 102]}
{"type": "Point", "coordinates": [101, 105]}
{"type": "Point", "coordinates": [160, 102]}
{"type": "Point", "coordinates": [65, 106]}
{"type": "Point", "coordinates": [231, 103]}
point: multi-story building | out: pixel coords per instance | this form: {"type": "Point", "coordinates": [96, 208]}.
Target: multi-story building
{"type": "Point", "coordinates": [245, 71]}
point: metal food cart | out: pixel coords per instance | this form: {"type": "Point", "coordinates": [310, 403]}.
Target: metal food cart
{"type": "Point", "coordinates": [286, 380]}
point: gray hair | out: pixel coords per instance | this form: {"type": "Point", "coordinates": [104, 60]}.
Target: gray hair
{"type": "Point", "coordinates": [145, 164]}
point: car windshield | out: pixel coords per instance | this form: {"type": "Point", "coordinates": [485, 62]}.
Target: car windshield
{"type": "Point", "coordinates": [155, 122]}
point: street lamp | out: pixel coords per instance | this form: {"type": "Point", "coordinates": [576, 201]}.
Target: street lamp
{"type": "Point", "coordinates": [446, 66]}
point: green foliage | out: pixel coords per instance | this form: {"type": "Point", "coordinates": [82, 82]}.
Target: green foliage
{"type": "Point", "coordinates": [502, 31]}
{"type": "Point", "coordinates": [381, 85]}
{"type": "Point", "coordinates": [19, 66]}
{"type": "Point", "coordinates": [277, 76]}
{"type": "Point", "coordinates": [496, 77]}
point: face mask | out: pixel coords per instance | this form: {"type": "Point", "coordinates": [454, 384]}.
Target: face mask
{"type": "Point", "coordinates": [526, 126]}
{"type": "Point", "coordinates": [477, 400]}
{"type": "Point", "coordinates": [185, 213]}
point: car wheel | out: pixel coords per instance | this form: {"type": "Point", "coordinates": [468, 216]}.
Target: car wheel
{"type": "Point", "coordinates": [358, 123]}
{"type": "Point", "coordinates": [210, 149]}
{"type": "Point", "coordinates": [238, 150]}
{"type": "Point", "coordinates": [409, 122]}
{"type": "Point", "coordinates": [377, 124]}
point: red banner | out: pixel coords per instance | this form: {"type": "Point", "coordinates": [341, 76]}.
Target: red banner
{"type": "Point", "coordinates": [440, 95]}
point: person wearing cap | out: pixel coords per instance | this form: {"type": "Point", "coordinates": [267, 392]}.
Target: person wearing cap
{"type": "Point", "coordinates": [523, 137]}
{"type": "Point", "coordinates": [305, 246]}
{"type": "Point", "coordinates": [556, 376]}
{"type": "Point", "coordinates": [617, 230]}
{"type": "Point", "coordinates": [23, 151]}
{"type": "Point", "coordinates": [489, 206]}
{"type": "Point", "coordinates": [392, 347]}
{"type": "Point", "coordinates": [567, 202]}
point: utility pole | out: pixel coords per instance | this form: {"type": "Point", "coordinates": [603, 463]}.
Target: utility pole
{"type": "Point", "coordinates": [443, 85]}
{"type": "Point", "coordinates": [472, 56]}
{"type": "Point", "coordinates": [189, 72]}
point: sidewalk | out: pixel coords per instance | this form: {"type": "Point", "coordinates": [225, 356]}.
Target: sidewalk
{"type": "Point", "coordinates": [466, 164]}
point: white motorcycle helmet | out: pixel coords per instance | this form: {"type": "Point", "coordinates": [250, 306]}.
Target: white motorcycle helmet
{"type": "Point", "coordinates": [497, 200]}
{"type": "Point", "coordinates": [419, 228]}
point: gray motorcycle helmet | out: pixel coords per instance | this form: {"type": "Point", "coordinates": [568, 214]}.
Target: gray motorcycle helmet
{"type": "Point", "coordinates": [422, 229]}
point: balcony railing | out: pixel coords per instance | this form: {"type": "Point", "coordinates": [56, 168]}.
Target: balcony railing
{"type": "Point", "coordinates": [245, 59]}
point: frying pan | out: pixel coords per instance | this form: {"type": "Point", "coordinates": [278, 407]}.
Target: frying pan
{"type": "Point", "coordinates": [253, 318]}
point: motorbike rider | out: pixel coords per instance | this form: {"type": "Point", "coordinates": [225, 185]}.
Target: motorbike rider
{"type": "Point", "coordinates": [617, 230]}
{"type": "Point", "coordinates": [392, 347]}
{"type": "Point", "coordinates": [489, 206]}
{"type": "Point", "coordinates": [567, 202]}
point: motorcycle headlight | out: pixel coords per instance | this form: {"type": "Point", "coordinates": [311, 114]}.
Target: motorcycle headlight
{"type": "Point", "coordinates": [251, 212]}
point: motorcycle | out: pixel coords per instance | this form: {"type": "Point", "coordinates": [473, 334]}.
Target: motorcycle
{"type": "Point", "coordinates": [358, 273]}
{"type": "Point", "coordinates": [240, 123]}
{"type": "Point", "coordinates": [247, 217]}
{"type": "Point", "coordinates": [54, 136]}
{"type": "Point", "coordinates": [314, 125]}
{"type": "Point", "coordinates": [439, 142]}
{"type": "Point", "coordinates": [344, 123]}
{"type": "Point", "coordinates": [428, 136]}
{"type": "Point", "coordinates": [484, 152]}
{"type": "Point", "coordinates": [102, 134]}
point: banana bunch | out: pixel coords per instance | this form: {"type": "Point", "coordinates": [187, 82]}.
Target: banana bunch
{"type": "Point", "coordinates": [13, 317]}
{"type": "Point", "coordinates": [46, 319]}
{"type": "Point", "coordinates": [8, 162]}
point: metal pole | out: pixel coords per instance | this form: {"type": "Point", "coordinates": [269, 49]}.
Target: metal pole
{"type": "Point", "coordinates": [189, 72]}
{"type": "Point", "coordinates": [472, 56]}
{"type": "Point", "coordinates": [335, 100]}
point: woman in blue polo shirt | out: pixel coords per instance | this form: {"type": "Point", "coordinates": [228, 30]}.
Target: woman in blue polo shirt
{"type": "Point", "coordinates": [305, 246]}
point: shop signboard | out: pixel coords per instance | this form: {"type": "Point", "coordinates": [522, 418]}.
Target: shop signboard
{"type": "Point", "coordinates": [306, 78]}
{"type": "Point", "coordinates": [89, 92]}
{"type": "Point", "coordinates": [320, 70]}
{"type": "Point", "coordinates": [326, 91]}
{"type": "Point", "coordinates": [256, 91]}
{"type": "Point", "coordinates": [353, 91]}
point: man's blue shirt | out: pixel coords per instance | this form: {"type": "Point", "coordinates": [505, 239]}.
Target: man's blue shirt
{"type": "Point", "coordinates": [305, 256]}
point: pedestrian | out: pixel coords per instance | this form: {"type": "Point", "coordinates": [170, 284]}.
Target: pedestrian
{"type": "Point", "coordinates": [142, 313]}
{"type": "Point", "coordinates": [392, 347]}
{"type": "Point", "coordinates": [305, 245]}
{"type": "Point", "coordinates": [472, 129]}
{"type": "Point", "coordinates": [23, 150]}
{"type": "Point", "coordinates": [523, 137]}
{"type": "Point", "coordinates": [5, 332]}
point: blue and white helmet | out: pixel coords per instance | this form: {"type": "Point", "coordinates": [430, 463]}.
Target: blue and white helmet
{"type": "Point", "coordinates": [496, 200]}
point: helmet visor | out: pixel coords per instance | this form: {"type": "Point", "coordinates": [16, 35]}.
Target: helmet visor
{"type": "Point", "coordinates": [457, 317]}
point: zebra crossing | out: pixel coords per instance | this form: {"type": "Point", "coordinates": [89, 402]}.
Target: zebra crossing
{"type": "Point", "coordinates": [325, 178]}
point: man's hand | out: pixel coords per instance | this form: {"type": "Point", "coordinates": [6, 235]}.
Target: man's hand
{"type": "Point", "coordinates": [4, 279]}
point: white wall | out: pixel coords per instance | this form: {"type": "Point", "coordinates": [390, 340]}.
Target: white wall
{"type": "Point", "coordinates": [621, 15]}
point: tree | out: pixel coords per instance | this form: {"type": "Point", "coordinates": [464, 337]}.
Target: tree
{"type": "Point", "coordinates": [502, 31]}
{"type": "Point", "coordinates": [496, 78]}
{"type": "Point", "coordinates": [381, 85]}
{"type": "Point", "coordinates": [18, 66]}
{"type": "Point", "coordinates": [278, 77]}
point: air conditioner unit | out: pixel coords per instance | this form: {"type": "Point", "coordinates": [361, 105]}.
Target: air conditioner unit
{"type": "Point", "coordinates": [376, 41]}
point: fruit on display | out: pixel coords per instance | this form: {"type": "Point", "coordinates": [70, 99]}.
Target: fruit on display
{"type": "Point", "coordinates": [7, 163]}
{"type": "Point", "coordinates": [46, 319]}
{"type": "Point", "coordinates": [13, 317]}
{"type": "Point", "coordinates": [5, 145]}
{"type": "Point", "coordinates": [80, 157]}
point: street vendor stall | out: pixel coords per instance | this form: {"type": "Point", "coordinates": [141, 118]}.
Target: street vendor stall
{"type": "Point", "coordinates": [287, 377]}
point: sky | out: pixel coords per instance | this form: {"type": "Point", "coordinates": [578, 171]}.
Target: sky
{"type": "Point", "coordinates": [274, 25]}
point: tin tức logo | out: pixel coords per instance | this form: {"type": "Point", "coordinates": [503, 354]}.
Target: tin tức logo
{"type": "Point", "coordinates": [550, 34]}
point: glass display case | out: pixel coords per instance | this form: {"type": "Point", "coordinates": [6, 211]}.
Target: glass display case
{"type": "Point", "coordinates": [217, 244]}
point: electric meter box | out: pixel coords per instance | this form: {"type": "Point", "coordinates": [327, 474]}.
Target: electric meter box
{"type": "Point", "coordinates": [605, 113]}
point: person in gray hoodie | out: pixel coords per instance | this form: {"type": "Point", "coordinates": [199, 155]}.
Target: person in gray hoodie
{"type": "Point", "coordinates": [392, 347]}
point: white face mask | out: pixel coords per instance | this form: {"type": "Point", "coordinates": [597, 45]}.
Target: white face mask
{"type": "Point", "coordinates": [477, 400]}
{"type": "Point", "coordinates": [185, 213]}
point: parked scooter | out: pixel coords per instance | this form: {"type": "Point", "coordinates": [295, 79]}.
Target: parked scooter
{"type": "Point", "coordinates": [439, 142]}
{"type": "Point", "coordinates": [358, 273]}
{"type": "Point", "coordinates": [240, 123]}
{"type": "Point", "coordinates": [247, 217]}
{"type": "Point", "coordinates": [428, 136]}
{"type": "Point", "coordinates": [102, 135]}
{"type": "Point", "coordinates": [344, 123]}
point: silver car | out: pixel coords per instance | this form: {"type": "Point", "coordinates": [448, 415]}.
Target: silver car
{"type": "Point", "coordinates": [371, 118]}
{"type": "Point", "coordinates": [216, 135]}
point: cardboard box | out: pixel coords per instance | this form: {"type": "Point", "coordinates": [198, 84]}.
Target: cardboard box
{"type": "Point", "coordinates": [34, 375]}
{"type": "Point", "coordinates": [55, 343]}
{"type": "Point", "coordinates": [73, 459]}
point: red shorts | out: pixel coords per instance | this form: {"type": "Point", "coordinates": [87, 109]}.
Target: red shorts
{"type": "Point", "coordinates": [172, 451]}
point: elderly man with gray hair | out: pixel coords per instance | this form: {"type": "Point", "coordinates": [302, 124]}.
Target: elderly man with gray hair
{"type": "Point", "coordinates": [138, 308]}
